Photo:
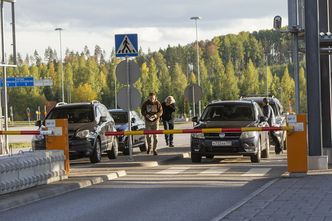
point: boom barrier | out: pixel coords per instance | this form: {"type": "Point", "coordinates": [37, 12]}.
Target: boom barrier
{"type": "Point", "coordinates": [203, 130]}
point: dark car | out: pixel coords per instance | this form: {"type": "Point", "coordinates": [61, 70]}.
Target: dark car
{"type": "Point", "coordinates": [120, 117]}
{"type": "Point", "coordinates": [230, 114]}
{"type": "Point", "coordinates": [87, 124]}
{"type": "Point", "coordinates": [278, 112]}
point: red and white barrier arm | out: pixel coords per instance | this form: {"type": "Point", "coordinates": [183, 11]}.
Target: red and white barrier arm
{"type": "Point", "coordinates": [203, 130]}
{"type": "Point", "coordinates": [26, 132]}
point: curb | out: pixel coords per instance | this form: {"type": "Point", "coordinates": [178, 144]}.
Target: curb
{"type": "Point", "coordinates": [28, 196]}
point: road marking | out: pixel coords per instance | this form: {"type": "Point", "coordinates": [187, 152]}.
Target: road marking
{"type": "Point", "coordinates": [173, 170]}
{"type": "Point", "coordinates": [215, 170]}
{"type": "Point", "coordinates": [257, 172]}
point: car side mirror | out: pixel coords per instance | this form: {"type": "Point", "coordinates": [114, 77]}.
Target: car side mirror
{"type": "Point", "coordinates": [194, 119]}
{"type": "Point", "coordinates": [38, 123]}
{"type": "Point", "coordinates": [133, 120]}
{"type": "Point", "coordinates": [103, 119]}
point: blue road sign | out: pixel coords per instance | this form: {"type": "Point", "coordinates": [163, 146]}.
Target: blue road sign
{"type": "Point", "coordinates": [126, 45]}
{"type": "Point", "coordinates": [18, 82]}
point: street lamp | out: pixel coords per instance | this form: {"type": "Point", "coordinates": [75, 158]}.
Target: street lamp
{"type": "Point", "coordinates": [198, 74]}
{"type": "Point", "coordinates": [62, 84]}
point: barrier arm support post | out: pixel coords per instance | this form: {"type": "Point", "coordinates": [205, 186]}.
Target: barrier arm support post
{"type": "Point", "coordinates": [59, 139]}
{"type": "Point", "coordinates": [297, 146]}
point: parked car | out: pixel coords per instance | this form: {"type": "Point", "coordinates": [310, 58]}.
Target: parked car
{"type": "Point", "coordinates": [120, 117]}
{"type": "Point", "coordinates": [279, 114]}
{"type": "Point", "coordinates": [230, 114]}
{"type": "Point", "coordinates": [87, 124]}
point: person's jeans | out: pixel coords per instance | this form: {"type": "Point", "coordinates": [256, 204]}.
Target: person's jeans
{"type": "Point", "coordinates": [168, 125]}
{"type": "Point", "coordinates": [152, 126]}
{"type": "Point", "coordinates": [276, 141]}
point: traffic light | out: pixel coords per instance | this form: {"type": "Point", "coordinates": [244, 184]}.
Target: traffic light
{"type": "Point", "coordinates": [277, 22]}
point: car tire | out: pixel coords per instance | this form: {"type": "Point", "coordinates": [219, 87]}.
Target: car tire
{"type": "Point", "coordinates": [266, 151]}
{"type": "Point", "coordinates": [95, 156]}
{"type": "Point", "coordinates": [113, 153]}
{"type": "Point", "coordinates": [257, 157]}
{"type": "Point", "coordinates": [196, 157]}
{"type": "Point", "coordinates": [210, 156]}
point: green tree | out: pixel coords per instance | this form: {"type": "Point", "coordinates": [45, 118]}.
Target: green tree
{"type": "Point", "coordinates": [287, 88]}
{"type": "Point", "coordinates": [249, 80]}
{"type": "Point", "coordinates": [231, 83]}
{"type": "Point", "coordinates": [303, 91]}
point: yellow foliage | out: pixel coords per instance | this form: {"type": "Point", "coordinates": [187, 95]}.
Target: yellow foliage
{"type": "Point", "coordinates": [84, 93]}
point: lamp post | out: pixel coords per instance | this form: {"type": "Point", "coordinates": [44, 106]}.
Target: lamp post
{"type": "Point", "coordinates": [62, 84]}
{"type": "Point", "coordinates": [198, 74]}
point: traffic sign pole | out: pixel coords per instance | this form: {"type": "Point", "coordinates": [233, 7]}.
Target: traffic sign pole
{"type": "Point", "coordinates": [129, 109]}
{"type": "Point", "coordinates": [194, 111]}
{"type": "Point", "coordinates": [6, 108]}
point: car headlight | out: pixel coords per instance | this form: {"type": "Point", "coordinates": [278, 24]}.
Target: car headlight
{"type": "Point", "coordinates": [249, 134]}
{"type": "Point", "coordinates": [197, 135]}
{"type": "Point", "coordinates": [83, 134]}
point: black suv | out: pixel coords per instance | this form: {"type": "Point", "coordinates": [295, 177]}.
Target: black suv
{"type": "Point", "coordinates": [120, 117]}
{"type": "Point", "coordinates": [278, 112]}
{"type": "Point", "coordinates": [87, 124]}
{"type": "Point", "coordinates": [230, 114]}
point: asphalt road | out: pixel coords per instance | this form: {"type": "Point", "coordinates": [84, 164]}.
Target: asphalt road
{"type": "Point", "coordinates": [177, 190]}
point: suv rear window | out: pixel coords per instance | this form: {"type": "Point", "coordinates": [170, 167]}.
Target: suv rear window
{"type": "Point", "coordinates": [77, 114]}
{"type": "Point", "coordinates": [229, 112]}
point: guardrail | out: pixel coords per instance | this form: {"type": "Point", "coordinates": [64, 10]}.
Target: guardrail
{"type": "Point", "coordinates": [203, 130]}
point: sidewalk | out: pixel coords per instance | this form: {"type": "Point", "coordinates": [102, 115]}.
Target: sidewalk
{"type": "Point", "coordinates": [84, 174]}
{"type": "Point", "coordinates": [288, 198]}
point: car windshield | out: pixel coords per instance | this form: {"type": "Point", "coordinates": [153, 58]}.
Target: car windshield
{"type": "Point", "coordinates": [78, 114]}
{"type": "Point", "coordinates": [120, 117]}
{"type": "Point", "coordinates": [228, 112]}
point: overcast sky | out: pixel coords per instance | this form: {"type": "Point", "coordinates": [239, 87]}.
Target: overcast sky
{"type": "Point", "coordinates": [158, 23]}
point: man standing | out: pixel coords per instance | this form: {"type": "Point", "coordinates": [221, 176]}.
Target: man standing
{"type": "Point", "coordinates": [270, 118]}
{"type": "Point", "coordinates": [152, 110]}
{"type": "Point", "coordinates": [168, 118]}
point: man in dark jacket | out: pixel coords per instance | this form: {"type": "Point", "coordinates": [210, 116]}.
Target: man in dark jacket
{"type": "Point", "coordinates": [270, 118]}
{"type": "Point", "coordinates": [168, 118]}
{"type": "Point", "coordinates": [152, 110]}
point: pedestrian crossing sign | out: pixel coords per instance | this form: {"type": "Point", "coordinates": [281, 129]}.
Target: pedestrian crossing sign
{"type": "Point", "coordinates": [126, 45]}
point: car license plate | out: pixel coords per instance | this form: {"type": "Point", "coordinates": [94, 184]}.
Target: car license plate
{"type": "Point", "coordinates": [221, 143]}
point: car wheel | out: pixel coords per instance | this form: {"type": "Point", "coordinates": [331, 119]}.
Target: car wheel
{"type": "Point", "coordinates": [113, 154]}
{"type": "Point", "coordinates": [257, 157]}
{"type": "Point", "coordinates": [196, 157]}
{"type": "Point", "coordinates": [142, 148]}
{"type": "Point", "coordinates": [266, 151]}
{"type": "Point", "coordinates": [210, 156]}
{"type": "Point", "coordinates": [95, 157]}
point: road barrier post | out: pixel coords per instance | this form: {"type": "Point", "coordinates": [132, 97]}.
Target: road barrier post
{"type": "Point", "coordinates": [59, 139]}
{"type": "Point", "coordinates": [297, 147]}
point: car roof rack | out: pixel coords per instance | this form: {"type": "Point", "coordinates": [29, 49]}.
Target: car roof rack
{"type": "Point", "coordinates": [60, 104]}
{"type": "Point", "coordinates": [257, 95]}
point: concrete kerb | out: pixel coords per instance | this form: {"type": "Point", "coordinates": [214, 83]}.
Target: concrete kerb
{"type": "Point", "coordinates": [21, 198]}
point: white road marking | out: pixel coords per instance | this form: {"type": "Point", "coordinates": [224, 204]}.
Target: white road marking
{"type": "Point", "coordinates": [173, 170]}
{"type": "Point", "coordinates": [257, 172]}
{"type": "Point", "coordinates": [215, 170]}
